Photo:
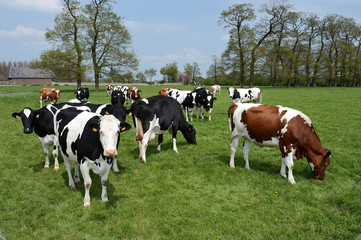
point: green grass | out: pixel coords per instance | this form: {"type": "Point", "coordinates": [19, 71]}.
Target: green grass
{"type": "Point", "coordinates": [193, 194]}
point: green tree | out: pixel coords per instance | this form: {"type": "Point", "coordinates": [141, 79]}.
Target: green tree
{"type": "Point", "coordinates": [193, 71]}
{"type": "Point", "coordinates": [170, 72]}
{"type": "Point", "coordinates": [150, 73]}
{"type": "Point", "coordinates": [109, 40]}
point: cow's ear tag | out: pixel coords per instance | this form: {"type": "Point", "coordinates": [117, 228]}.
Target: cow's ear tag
{"type": "Point", "coordinates": [130, 114]}
{"type": "Point", "coordinates": [106, 112]}
{"type": "Point", "coordinates": [123, 128]}
{"type": "Point", "coordinates": [17, 116]}
{"type": "Point", "coordinates": [95, 129]}
{"type": "Point", "coordinates": [37, 115]}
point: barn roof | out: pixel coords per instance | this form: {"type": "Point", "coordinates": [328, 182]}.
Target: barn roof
{"type": "Point", "coordinates": [27, 72]}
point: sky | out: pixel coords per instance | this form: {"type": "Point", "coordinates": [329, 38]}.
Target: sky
{"type": "Point", "coordinates": [163, 31]}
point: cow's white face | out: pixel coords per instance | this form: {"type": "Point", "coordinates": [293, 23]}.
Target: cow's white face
{"type": "Point", "coordinates": [109, 129]}
{"type": "Point", "coordinates": [231, 91]}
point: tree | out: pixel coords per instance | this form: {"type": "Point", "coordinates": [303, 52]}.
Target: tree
{"type": "Point", "coordinates": [109, 40]}
{"type": "Point", "coordinates": [234, 18]}
{"type": "Point", "coordinates": [67, 32]}
{"type": "Point", "coordinates": [150, 73]}
{"type": "Point", "coordinates": [193, 71]}
{"type": "Point", "coordinates": [216, 70]}
{"type": "Point", "coordinates": [182, 78]}
{"type": "Point", "coordinates": [170, 72]}
{"type": "Point", "coordinates": [140, 76]}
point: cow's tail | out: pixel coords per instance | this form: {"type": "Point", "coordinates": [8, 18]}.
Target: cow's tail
{"type": "Point", "coordinates": [231, 110]}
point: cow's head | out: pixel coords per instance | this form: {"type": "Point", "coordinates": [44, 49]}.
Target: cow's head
{"type": "Point", "coordinates": [231, 91]}
{"type": "Point", "coordinates": [108, 129]}
{"type": "Point", "coordinates": [82, 93]}
{"type": "Point", "coordinates": [28, 117]}
{"type": "Point", "coordinates": [118, 97]}
{"type": "Point", "coordinates": [190, 135]}
{"type": "Point", "coordinates": [319, 163]}
{"type": "Point", "coordinates": [189, 101]}
{"type": "Point", "coordinates": [56, 92]}
{"type": "Point", "coordinates": [135, 93]}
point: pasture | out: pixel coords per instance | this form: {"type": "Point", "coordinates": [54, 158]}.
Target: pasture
{"type": "Point", "coordinates": [193, 194]}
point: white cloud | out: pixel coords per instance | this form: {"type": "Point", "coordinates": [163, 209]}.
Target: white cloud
{"type": "Point", "coordinates": [21, 31]}
{"type": "Point", "coordinates": [39, 5]}
{"type": "Point", "coordinates": [154, 28]}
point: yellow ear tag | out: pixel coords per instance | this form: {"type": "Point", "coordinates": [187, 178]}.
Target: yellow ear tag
{"type": "Point", "coordinates": [17, 116]}
{"type": "Point", "coordinates": [123, 128]}
{"type": "Point", "coordinates": [95, 130]}
{"type": "Point", "coordinates": [106, 112]}
{"type": "Point", "coordinates": [130, 114]}
{"type": "Point", "coordinates": [37, 116]}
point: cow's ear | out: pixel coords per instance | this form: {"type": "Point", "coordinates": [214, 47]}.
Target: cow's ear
{"type": "Point", "coordinates": [94, 126]}
{"type": "Point", "coordinates": [16, 115]}
{"type": "Point", "coordinates": [214, 99]}
{"type": "Point", "coordinates": [139, 90]}
{"type": "Point", "coordinates": [327, 155]}
{"type": "Point", "coordinates": [75, 92]}
{"type": "Point", "coordinates": [124, 127]}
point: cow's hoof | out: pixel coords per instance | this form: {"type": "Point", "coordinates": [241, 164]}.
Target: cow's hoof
{"type": "Point", "coordinates": [86, 205]}
{"type": "Point", "coordinates": [72, 187]}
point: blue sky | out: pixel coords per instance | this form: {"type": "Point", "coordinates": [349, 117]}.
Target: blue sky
{"type": "Point", "coordinates": [163, 31]}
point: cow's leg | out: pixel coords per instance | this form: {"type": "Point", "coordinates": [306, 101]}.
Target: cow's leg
{"type": "Point", "coordinates": [76, 173]}
{"type": "Point", "coordinates": [234, 146]}
{"type": "Point", "coordinates": [288, 161]}
{"type": "Point", "coordinates": [68, 169]}
{"type": "Point", "coordinates": [197, 111]}
{"type": "Point", "coordinates": [41, 102]}
{"type": "Point", "coordinates": [160, 140]}
{"type": "Point", "coordinates": [202, 112]}
{"type": "Point", "coordinates": [143, 146]}
{"type": "Point", "coordinates": [174, 135]}
{"type": "Point", "coordinates": [115, 165]}
{"type": "Point", "coordinates": [209, 114]}
{"type": "Point", "coordinates": [104, 180]}
{"type": "Point", "coordinates": [283, 169]}
{"type": "Point", "coordinates": [246, 146]}
{"type": "Point", "coordinates": [46, 151]}
{"type": "Point", "coordinates": [191, 113]}
{"type": "Point", "coordinates": [55, 155]}
{"type": "Point", "coordinates": [87, 182]}
{"type": "Point", "coordinates": [186, 110]}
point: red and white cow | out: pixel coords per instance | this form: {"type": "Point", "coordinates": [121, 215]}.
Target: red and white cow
{"type": "Point", "coordinates": [216, 89]}
{"type": "Point", "coordinates": [49, 95]}
{"type": "Point", "coordinates": [134, 94]}
{"type": "Point", "coordinates": [289, 130]}
{"type": "Point", "coordinates": [164, 91]}
{"type": "Point", "coordinates": [109, 90]}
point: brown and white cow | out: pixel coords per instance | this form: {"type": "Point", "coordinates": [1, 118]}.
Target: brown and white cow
{"type": "Point", "coordinates": [164, 91]}
{"type": "Point", "coordinates": [216, 89]}
{"type": "Point", "coordinates": [289, 130]}
{"type": "Point", "coordinates": [49, 95]}
{"type": "Point", "coordinates": [134, 94]}
{"type": "Point", "coordinates": [109, 89]}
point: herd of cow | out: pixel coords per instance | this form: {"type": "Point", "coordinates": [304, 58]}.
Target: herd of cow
{"type": "Point", "coordinates": [88, 134]}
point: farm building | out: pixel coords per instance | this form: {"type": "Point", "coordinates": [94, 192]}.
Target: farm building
{"type": "Point", "coordinates": [30, 76]}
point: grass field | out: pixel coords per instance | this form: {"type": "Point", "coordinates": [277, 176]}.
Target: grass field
{"type": "Point", "coordinates": [193, 194]}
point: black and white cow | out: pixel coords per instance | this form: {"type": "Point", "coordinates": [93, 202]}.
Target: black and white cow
{"type": "Point", "coordinates": [124, 90]}
{"type": "Point", "coordinates": [236, 96]}
{"type": "Point", "coordinates": [156, 115]}
{"type": "Point", "coordinates": [203, 99]}
{"type": "Point", "coordinates": [89, 140]}
{"type": "Point", "coordinates": [82, 94]}
{"type": "Point", "coordinates": [41, 122]}
{"type": "Point", "coordinates": [118, 96]}
{"type": "Point", "coordinates": [247, 95]}
{"type": "Point", "coordinates": [185, 99]}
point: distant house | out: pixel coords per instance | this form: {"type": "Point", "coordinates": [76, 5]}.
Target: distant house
{"type": "Point", "coordinates": [30, 76]}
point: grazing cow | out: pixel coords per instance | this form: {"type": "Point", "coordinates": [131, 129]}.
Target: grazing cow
{"type": "Point", "coordinates": [216, 89]}
{"type": "Point", "coordinates": [185, 99]}
{"type": "Point", "coordinates": [134, 94]}
{"type": "Point", "coordinates": [89, 140]}
{"type": "Point", "coordinates": [155, 115]}
{"type": "Point", "coordinates": [124, 90]}
{"type": "Point", "coordinates": [49, 95]}
{"type": "Point", "coordinates": [247, 94]}
{"type": "Point", "coordinates": [287, 129]}
{"type": "Point", "coordinates": [203, 99]}
{"type": "Point", "coordinates": [82, 94]}
{"type": "Point", "coordinates": [109, 89]}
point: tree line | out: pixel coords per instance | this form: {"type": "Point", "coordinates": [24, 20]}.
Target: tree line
{"type": "Point", "coordinates": [287, 48]}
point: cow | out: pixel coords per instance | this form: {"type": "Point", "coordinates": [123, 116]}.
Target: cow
{"type": "Point", "coordinates": [109, 89]}
{"type": "Point", "coordinates": [216, 89]}
{"type": "Point", "coordinates": [164, 91]}
{"type": "Point", "coordinates": [49, 95]}
{"type": "Point", "coordinates": [247, 94]}
{"type": "Point", "coordinates": [134, 94]}
{"type": "Point", "coordinates": [118, 96]}
{"type": "Point", "coordinates": [185, 99]}
{"type": "Point", "coordinates": [203, 99]}
{"type": "Point", "coordinates": [289, 130]}
{"type": "Point", "coordinates": [41, 122]}
{"type": "Point", "coordinates": [82, 93]}
{"type": "Point", "coordinates": [236, 96]}
{"type": "Point", "coordinates": [124, 90]}
{"type": "Point", "coordinates": [89, 140]}
{"type": "Point", "coordinates": [155, 115]}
